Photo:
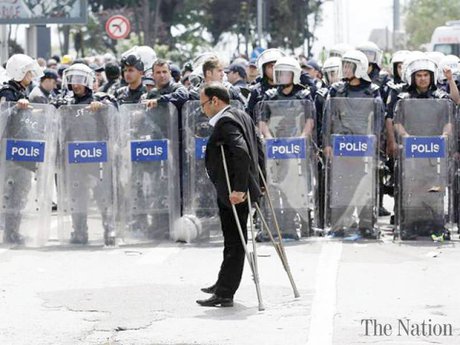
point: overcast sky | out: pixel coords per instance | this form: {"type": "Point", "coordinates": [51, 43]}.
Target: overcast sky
{"type": "Point", "coordinates": [359, 16]}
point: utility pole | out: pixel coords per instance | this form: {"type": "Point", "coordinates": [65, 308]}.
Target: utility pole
{"type": "Point", "coordinates": [260, 12]}
{"type": "Point", "coordinates": [338, 21]}
{"type": "Point", "coordinates": [396, 24]}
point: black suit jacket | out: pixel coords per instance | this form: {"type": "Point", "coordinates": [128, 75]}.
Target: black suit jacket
{"type": "Point", "coordinates": [243, 149]}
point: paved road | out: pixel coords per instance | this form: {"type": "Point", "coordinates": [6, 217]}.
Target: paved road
{"type": "Point", "coordinates": [146, 295]}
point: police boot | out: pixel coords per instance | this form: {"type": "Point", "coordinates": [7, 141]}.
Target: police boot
{"type": "Point", "coordinates": [13, 237]}
{"type": "Point", "coordinates": [79, 237]}
{"type": "Point", "coordinates": [109, 232]}
{"type": "Point", "coordinates": [109, 237]}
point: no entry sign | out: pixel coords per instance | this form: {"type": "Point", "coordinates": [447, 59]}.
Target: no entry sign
{"type": "Point", "coordinates": [118, 27]}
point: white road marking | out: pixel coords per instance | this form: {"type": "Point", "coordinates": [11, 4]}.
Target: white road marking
{"type": "Point", "coordinates": [323, 306]}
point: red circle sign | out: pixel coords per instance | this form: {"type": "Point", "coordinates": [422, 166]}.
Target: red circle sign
{"type": "Point", "coordinates": [118, 27]}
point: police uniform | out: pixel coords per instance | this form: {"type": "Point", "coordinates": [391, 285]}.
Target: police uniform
{"type": "Point", "coordinates": [18, 177]}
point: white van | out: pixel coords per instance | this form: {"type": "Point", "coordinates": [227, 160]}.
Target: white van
{"type": "Point", "coordinates": [446, 39]}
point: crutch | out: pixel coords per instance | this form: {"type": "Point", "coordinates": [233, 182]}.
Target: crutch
{"type": "Point", "coordinates": [250, 256]}
{"type": "Point", "coordinates": [279, 247]}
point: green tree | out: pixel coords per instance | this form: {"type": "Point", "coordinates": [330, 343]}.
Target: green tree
{"type": "Point", "coordinates": [291, 22]}
{"type": "Point", "coordinates": [423, 16]}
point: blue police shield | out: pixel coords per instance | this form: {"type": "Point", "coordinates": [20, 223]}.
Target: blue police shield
{"type": "Point", "coordinates": [148, 176]}
{"type": "Point", "coordinates": [288, 128]}
{"type": "Point", "coordinates": [27, 152]}
{"type": "Point", "coordinates": [425, 171]}
{"type": "Point", "coordinates": [86, 177]}
{"type": "Point", "coordinates": [352, 129]}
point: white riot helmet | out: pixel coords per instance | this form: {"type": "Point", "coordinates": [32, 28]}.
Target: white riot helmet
{"type": "Point", "coordinates": [146, 54]}
{"type": "Point", "coordinates": [282, 69]}
{"type": "Point", "coordinates": [268, 55]}
{"type": "Point", "coordinates": [435, 56]}
{"type": "Point", "coordinates": [339, 49]}
{"type": "Point", "coordinates": [196, 77]}
{"type": "Point", "coordinates": [398, 57]}
{"type": "Point", "coordinates": [200, 59]}
{"type": "Point", "coordinates": [451, 61]}
{"type": "Point", "coordinates": [419, 62]}
{"type": "Point", "coordinates": [372, 52]}
{"type": "Point", "coordinates": [360, 62]}
{"type": "Point", "coordinates": [18, 65]}
{"type": "Point", "coordinates": [332, 69]}
{"type": "Point", "coordinates": [78, 73]}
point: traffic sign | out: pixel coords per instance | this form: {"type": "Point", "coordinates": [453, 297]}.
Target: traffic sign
{"type": "Point", "coordinates": [118, 27]}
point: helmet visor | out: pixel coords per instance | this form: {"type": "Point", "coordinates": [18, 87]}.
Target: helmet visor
{"type": "Point", "coordinates": [35, 69]}
{"type": "Point", "coordinates": [332, 76]}
{"type": "Point", "coordinates": [348, 69]}
{"type": "Point", "coordinates": [78, 78]}
{"type": "Point", "coordinates": [284, 77]}
{"type": "Point", "coordinates": [371, 55]}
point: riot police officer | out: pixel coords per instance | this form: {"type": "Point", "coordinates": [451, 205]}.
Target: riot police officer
{"type": "Point", "coordinates": [22, 69]}
{"type": "Point", "coordinates": [112, 73]}
{"type": "Point", "coordinates": [133, 70]}
{"type": "Point", "coordinates": [354, 112]}
{"type": "Point", "coordinates": [449, 76]}
{"type": "Point", "coordinates": [374, 57]}
{"type": "Point", "coordinates": [85, 180]}
{"type": "Point", "coordinates": [424, 187]}
{"type": "Point", "coordinates": [44, 92]}
{"type": "Point", "coordinates": [287, 111]}
{"type": "Point", "coordinates": [265, 63]}
{"type": "Point", "coordinates": [166, 89]}
{"type": "Point", "coordinates": [287, 76]}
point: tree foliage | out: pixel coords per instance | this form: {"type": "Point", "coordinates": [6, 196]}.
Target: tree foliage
{"type": "Point", "coordinates": [183, 26]}
{"type": "Point", "coordinates": [423, 16]}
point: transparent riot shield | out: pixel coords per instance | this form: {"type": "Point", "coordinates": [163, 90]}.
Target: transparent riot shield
{"type": "Point", "coordinates": [288, 128]}
{"type": "Point", "coordinates": [86, 177]}
{"type": "Point", "coordinates": [426, 134]}
{"type": "Point", "coordinates": [148, 171]}
{"type": "Point", "coordinates": [27, 152]}
{"type": "Point", "coordinates": [352, 128]}
{"type": "Point", "coordinates": [200, 221]}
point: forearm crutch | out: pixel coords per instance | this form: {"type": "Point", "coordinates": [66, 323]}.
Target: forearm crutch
{"type": "Point", "coordinates": [250, 256]}
{"type": "Point", "coordinates": [279, 247]}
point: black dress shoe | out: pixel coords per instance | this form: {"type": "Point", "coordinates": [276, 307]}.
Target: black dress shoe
{"type": "Point", "coordinates": [215, 301]}
{"type": "Point", "coordinates": [210, 289]}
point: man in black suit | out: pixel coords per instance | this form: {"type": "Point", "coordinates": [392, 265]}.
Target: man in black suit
{"type": "Point", "coordinates": [235, 131]}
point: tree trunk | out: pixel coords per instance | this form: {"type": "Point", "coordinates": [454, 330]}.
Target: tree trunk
{"type": "Point", "coordinates": [137, 26]}
{"type": "Point", "coordinates": [156, 23]}
{"type": "Point", "coordinates": [66, 33]}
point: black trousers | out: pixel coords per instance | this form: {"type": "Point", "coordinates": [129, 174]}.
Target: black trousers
{"type": "Point", "coordinates": [231, 269]}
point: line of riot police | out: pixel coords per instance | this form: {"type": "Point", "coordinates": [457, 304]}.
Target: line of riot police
{"type": "Point", "coordinates": [126, 144]}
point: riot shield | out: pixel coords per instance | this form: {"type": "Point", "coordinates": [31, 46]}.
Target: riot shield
{"type": "Point", "coordinates": [352, 128]}
{"type": "Point", "coordinates": [426, 134]}
{"type": "Point", "coordinates": [86, 177]}
{"type": "Point", "coordinates": [27, 152]}
{"type": "Point", "coordinates": [291, 165]}
{"type": "Point", "coordinates": [199, 199]}
{"type": "Point", "coordinates": [148, 171]}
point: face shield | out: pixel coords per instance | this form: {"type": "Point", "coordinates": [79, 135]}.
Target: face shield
{"type": "Point", "coordinates": [371, 55]}
{"type": "Point", "coordinates": [332, 76]}
{"type": "Point", "coordinates": [78, 78]}
{"type": "Point", "coordinates": [35, 69]}
{"type": "Point", "coordinates": [348, 69]}
{"type": "Point", "coordinates": [283, 77]}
